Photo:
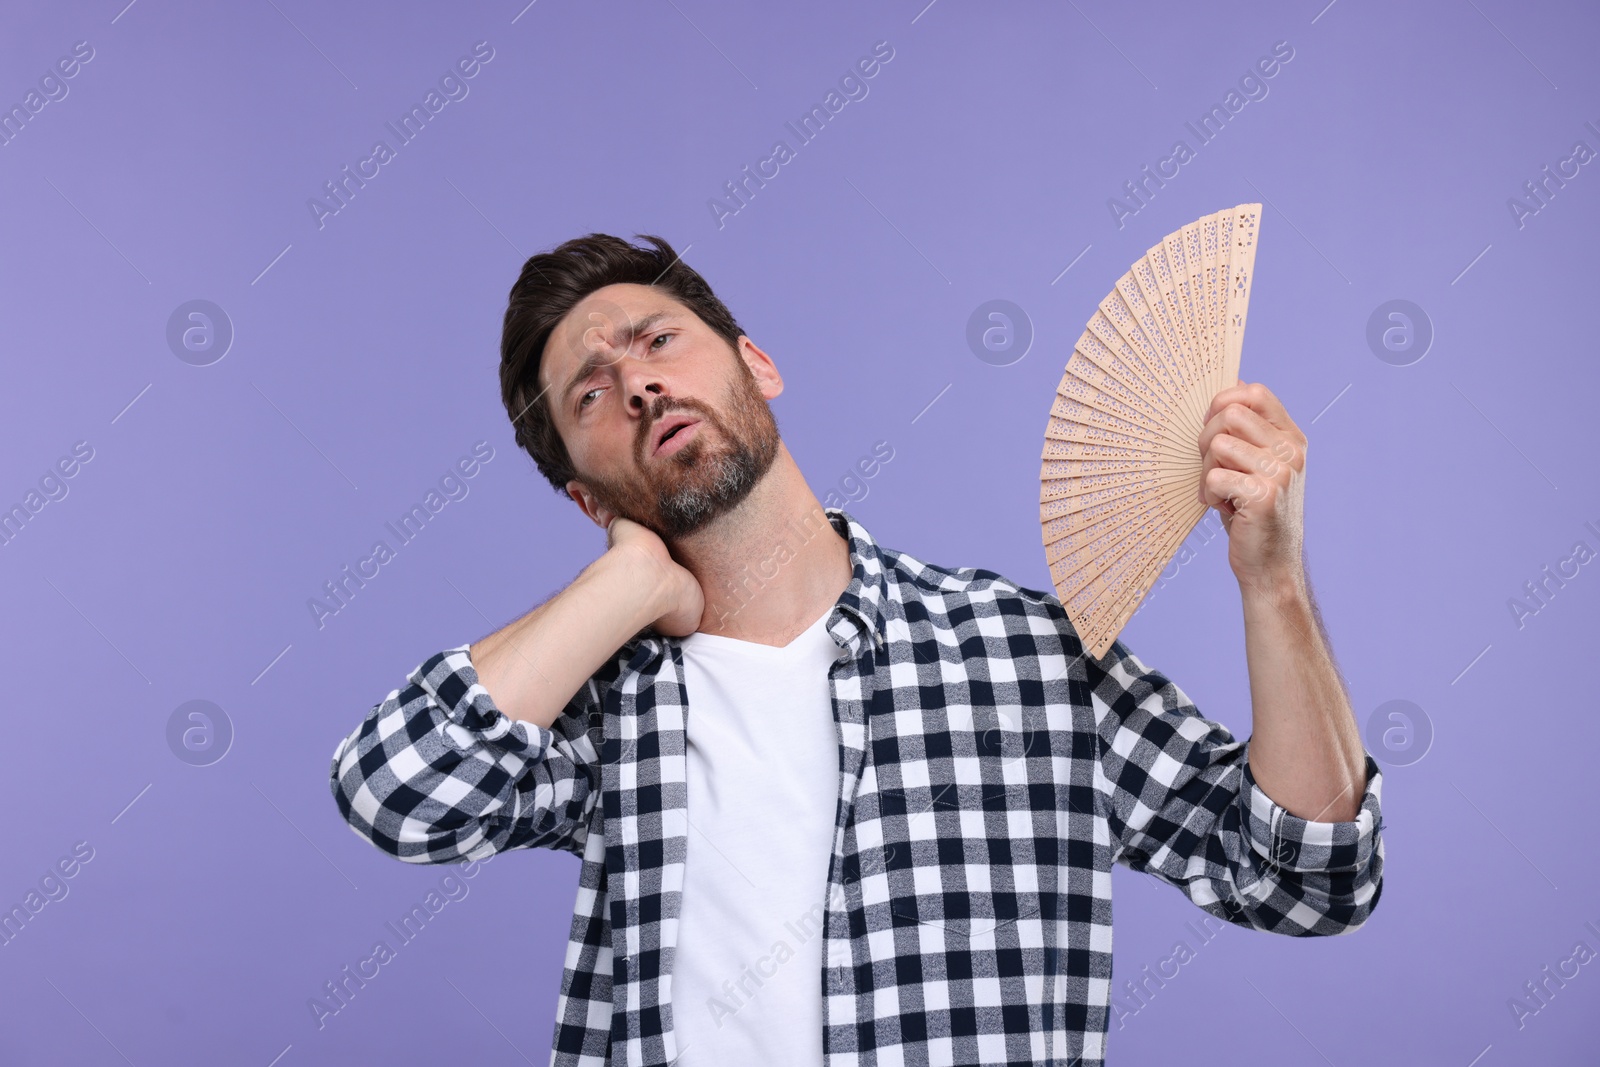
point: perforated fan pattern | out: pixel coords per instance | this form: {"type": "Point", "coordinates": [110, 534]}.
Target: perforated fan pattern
{"type": "Point", "coordinates": [1120, 471]}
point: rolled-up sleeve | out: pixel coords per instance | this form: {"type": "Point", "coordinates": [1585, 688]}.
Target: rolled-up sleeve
{"type": "Point", "coordinates": [1183, 805]}
{"type": "Point", "coordinates": [436, 773]}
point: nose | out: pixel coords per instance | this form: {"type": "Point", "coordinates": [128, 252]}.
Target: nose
{"type": "Point", "coordinates": [647, 398]}
{"type": "Point", "coordinates": [642, 389]}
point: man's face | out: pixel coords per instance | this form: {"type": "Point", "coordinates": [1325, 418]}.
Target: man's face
{"type": "Point", "coordinates": [624, 366]}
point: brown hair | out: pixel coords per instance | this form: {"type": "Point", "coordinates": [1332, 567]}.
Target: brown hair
{"type": "Point", "coordinates": [550, 285]}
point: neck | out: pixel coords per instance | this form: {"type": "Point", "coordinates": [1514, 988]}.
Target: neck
{"type": "Point", "coordinates": [771, 566]}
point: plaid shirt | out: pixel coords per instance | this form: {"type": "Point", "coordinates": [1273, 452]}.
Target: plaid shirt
{"type": "Point", "coordinates": [990, 773]}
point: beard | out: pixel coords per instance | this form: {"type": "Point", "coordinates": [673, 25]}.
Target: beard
{"type": "Point", "coordinates": [710, 475]}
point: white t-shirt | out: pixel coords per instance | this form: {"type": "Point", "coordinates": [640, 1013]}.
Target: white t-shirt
{"type": "Point", "coordinates": [763, 787]}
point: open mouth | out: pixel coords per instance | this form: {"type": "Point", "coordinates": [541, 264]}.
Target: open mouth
{"type": "Point", "coordinates": [676, 431]}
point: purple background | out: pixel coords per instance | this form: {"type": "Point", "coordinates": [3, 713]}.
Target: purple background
{"type": "Point", "coordinates": [219, 498]}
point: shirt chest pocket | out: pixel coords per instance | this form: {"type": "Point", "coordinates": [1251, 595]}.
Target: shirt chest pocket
{"type": "Point", "coordinates": [962, 849]}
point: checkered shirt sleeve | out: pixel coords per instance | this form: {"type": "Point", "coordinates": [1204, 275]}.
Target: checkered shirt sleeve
{"type": "Point", "coordinates": [436, 773]}
{"type": "Point", "coordinates": [1184, 806]}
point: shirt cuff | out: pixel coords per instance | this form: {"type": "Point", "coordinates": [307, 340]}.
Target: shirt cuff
{"type": "Point", "coordinates": [451, 679]}
{"type": "Point", "coordinates": [1292, 843]}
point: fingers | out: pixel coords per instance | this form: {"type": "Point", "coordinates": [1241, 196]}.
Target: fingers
{"type": "Point", "coordinates": [1235, 453]}
{"type": "Point", "coordinates": [1250, 411]}
{"type": "Point", "coordinates": [1231, 491]}
{"type": "Point", "coordinates": [1249, 425]}
{"type": "Point", "coordinates": [1256, 397]}
{"type": "Point", "coordinates": [1231, 455]}
{"type": "Point", "coordinates": [1247, 431]}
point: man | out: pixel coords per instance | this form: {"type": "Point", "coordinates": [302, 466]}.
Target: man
{"type": "Point", "coordinates": [835, 804]}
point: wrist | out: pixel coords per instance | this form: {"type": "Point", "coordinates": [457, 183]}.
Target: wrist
{"type": "Point", "coordinates": [1279, 588]}
{"type": "Point", "coordinates": [640, 580]}
{"type": "Point", "coordinates": [622, 580]}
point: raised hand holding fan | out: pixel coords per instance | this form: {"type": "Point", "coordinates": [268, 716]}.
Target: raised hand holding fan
{"type": "Point", "coordinates": [1120, 474]}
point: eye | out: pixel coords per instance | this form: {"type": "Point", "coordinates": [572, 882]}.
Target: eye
{"type": "Point", "coordinates": [583, 401]}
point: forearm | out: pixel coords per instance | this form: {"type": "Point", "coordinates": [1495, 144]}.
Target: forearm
{"type": "Point", "coordinates": [535, 665]}
{"type": "Point", "coordinates": [1305, 747]}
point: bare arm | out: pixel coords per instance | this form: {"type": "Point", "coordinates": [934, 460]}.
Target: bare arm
{"type": "Point", "coordinates": [533, 666]}
{"type": "Point", "coordinates": [1305, 746]}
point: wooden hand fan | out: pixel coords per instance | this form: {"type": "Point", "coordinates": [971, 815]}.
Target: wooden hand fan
{"type": "Point", "coordinates": [1120, 478]}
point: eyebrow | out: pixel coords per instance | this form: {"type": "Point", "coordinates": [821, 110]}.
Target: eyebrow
{"type": "Point", "coordinates": [627, 335]}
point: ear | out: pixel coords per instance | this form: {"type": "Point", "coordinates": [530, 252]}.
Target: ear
{"type": "Point", "coordinates": [761, 367]}
{"type": "Point", "coordinates": [589, 504]}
